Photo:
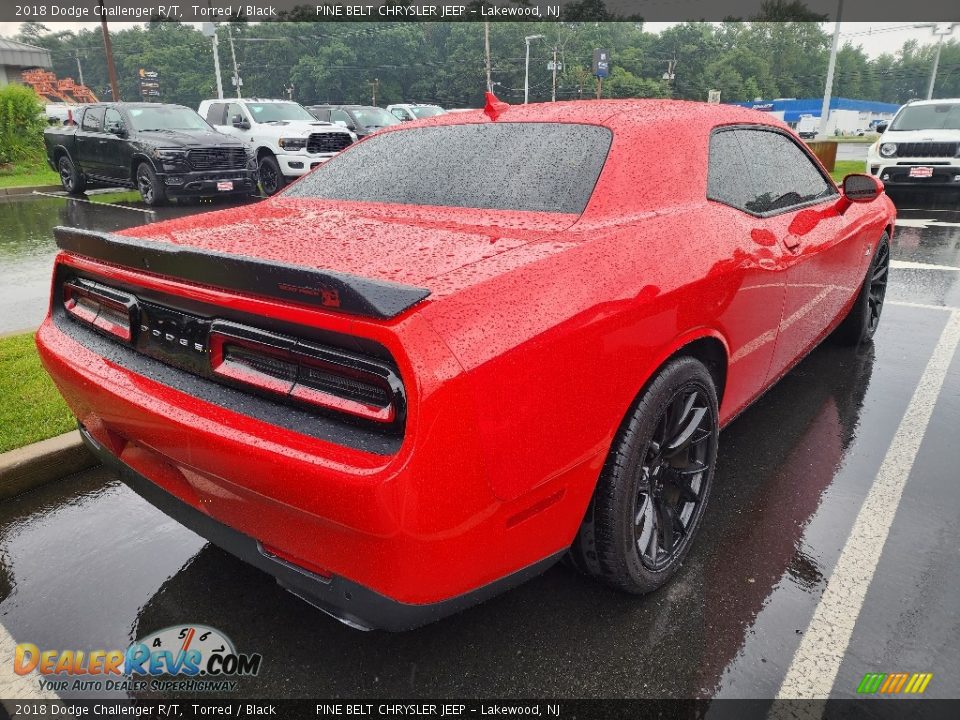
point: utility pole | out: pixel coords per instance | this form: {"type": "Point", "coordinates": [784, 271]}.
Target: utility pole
{"type": "Point", "coordinates": [486, 48]}
{"type": "Point", "coordinates": [941, 30]}
{"type": "Point", "coordinates": [233, 54]}
{"type": "Point", "coordinates": [553, 93]}
{"type": "Point", "coordinates": [831, 66]}
{"type": "Point", "coordinates": [79, 68]}
{"type": "Point", "coordinates": [375, 85]}
{"type": "Point", "coordinates": [526, 75]}
{"type": "Point", "coordinates": [108, 51]}
{"type": "Point", "coordinates": [210, 30]}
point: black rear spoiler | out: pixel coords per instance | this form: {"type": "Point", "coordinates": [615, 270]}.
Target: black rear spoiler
{"type": "Point", "coordinates": [326, 288]}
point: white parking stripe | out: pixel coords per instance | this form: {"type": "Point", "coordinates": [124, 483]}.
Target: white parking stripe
{"type": "Point", "coordinates": [13, 686]}
{"type": "Point", "coordinates": [910, 265]}
{"type": "Point", "coordinates": [817, 661]}
{"type": "Point", "coordinates": [922, 306]}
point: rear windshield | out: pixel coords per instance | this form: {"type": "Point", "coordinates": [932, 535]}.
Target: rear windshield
{"type": "Point", "coordinates": [543, 167]}
{"type": "Point", "coordinates": [942, 116]}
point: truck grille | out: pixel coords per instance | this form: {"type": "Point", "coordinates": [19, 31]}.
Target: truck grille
{"type": "Point", "coordinates": [927, 149]}
{"type": "Point", "coordinates": [329, 142]}
{"type": "Point", "coordinates": [217, 158]}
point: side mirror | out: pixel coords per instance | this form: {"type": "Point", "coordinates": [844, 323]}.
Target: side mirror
{"type": "Point", "coordinates": [238, 122]}
{"type": "Point", "coordinates": [116, 130]}
{"type": "Point", "coordinates": [861, 188]}
{"type": "Point", "coordinates": [880, 128]}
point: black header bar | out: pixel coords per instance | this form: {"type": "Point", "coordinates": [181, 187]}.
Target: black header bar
{"type": "Point", "coordinates": [52, 11]}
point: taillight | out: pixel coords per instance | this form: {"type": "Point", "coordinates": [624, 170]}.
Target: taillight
{"type": "Point", "coordinates": [110, 311]}
{"type": "Point", "coordinates": [304, 372]}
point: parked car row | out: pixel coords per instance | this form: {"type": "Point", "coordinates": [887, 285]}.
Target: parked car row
{"type": "Point", "coordinates": [236, 147]}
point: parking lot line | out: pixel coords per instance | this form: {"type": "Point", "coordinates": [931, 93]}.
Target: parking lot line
{"type": "Point", "coordinates": [922, 306]}
{"type": "Point", "coordinates": [815, 664]}
{"type": "Point", "coordinates": [911, 265]}
{"type": "Point", "coordinates": [18, 687]}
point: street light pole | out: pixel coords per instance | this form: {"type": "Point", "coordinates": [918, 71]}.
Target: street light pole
{"type": "Point", "coordinates": [210, 30]}
{"type": "Point", "coordinates": [941, 30]}
{"type": "Point", "coordinates": [233, 54]}
{"type": "Point", "coordinates": [486, 53]}
{"type": "Point", "coordinates": [831, 67]}
{"type": "Point", "coordinates": [526, 74]}
{"type": "Point", "coordinates": [108, 51]}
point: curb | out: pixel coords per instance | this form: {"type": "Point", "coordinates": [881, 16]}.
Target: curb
{"type": "Point", "coordinates": [28, 190]}
{"type": "Point", "coordinates": [34, 465]}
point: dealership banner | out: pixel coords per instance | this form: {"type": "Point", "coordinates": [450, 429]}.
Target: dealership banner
{"type": "Point", "coordinates": [468, 10]}
{"type": "Point", "coordinates": [489, 709]}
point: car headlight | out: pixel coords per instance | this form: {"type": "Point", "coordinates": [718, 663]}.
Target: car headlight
{"type": "Point", "coordinates": [888, 150]}
{"type": "Point", "coordinates": [293, 143]}
{"type": "Point", "coordinates": [170, 156]}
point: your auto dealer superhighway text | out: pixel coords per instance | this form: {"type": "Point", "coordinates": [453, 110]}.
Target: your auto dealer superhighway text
{"type": "Point", "coordinates": [337, 709]}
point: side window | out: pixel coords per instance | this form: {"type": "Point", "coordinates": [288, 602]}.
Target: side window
{"type": "Point", "coordinates": [784, 176]}
{"type": "Point", "coordinates": [235, 113]}
{"type": "Point", "coordinates": [93, 119]}
{"type": "Point", "coordinates": [215, 114]}
{"type": "Point", "coordinates": [401, 114]}
{"type": "Point", "coordinates": [340, 115]}
{"type": "Point", "coordinates": [728, 175]}
{"type": "Point", "coordinates": [112, 121]}
{"type": "Point", "coordinates": [321, 114]}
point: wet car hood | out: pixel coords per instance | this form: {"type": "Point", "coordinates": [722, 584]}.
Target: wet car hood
{"type": "Point", "coordinates": [187, 139]}
{"type": "Point", "coordinates": [412, 245]}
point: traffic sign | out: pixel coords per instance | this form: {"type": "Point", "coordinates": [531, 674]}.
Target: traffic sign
{"type": "Point", "coordinates": [601, 63]}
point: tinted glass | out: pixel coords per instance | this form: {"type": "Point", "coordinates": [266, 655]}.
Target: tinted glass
{"type": "Point", "coordinates": [942, 116]}
{"type": "Point", "coordinates": [728, 175]}
{"type": "Point", "coordinates": [374, 117]}
{"type": "Point", "coordinates": [112, 120]}
{"type": "Point", "coordinates": [234, 113]}
{"type": "Point", "coordinates": [425, 111]}
{"type": "Point", "coordinates": [546, 167]}
{"type": "Point", "coordinates": [340, 115]}
{"type": "Point", "coordinates": [93, 119]}
{"type": "Point", "coordinates": [321, 113]}
{"type": "Point", "coordinates": [402, 114]}
{"type": "Point", "coordinates": [783, 175]}
{"type": "Point", "coordinates": [215, 113]}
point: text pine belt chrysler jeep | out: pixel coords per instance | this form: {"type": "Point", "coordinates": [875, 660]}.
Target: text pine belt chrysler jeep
{"type": "Point", "coordinates": [286, 140]}
{"type": "Point", "coordinates": [467, 345]}
{"type": "Point", "coordinates": [921, 146]}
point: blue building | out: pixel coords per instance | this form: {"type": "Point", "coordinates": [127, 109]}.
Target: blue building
{"type": "Point", "coordinates": [847, 116]}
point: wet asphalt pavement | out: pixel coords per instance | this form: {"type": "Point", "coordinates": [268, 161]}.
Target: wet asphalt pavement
{"type": "Point", "coordinates": [85, 563]}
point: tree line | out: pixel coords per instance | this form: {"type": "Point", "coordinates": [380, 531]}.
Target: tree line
{"type": "Point", "coordinates": [444, 63]}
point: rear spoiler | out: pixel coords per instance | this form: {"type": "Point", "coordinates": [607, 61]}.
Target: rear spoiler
{"type": "Point", "coordinates": [325, 288]}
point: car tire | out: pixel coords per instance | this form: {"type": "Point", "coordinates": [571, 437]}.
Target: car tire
{"type": "Point", "coordinates": [271, 179]}
{"type": "Point", "coordinates": [73, 182]}
{"type": "Point", "coordinates": [151, 189]}
{"type": "Point", "coordinates": [655, 484]}
{"type": "Point", "coordinates": [863, 318]}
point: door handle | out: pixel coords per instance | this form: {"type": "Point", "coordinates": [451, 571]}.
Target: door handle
{"type": "Point", "coordinates": [791, 242]}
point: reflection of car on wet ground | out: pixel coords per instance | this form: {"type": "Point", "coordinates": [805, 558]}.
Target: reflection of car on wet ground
{"type": "Point", "coordinates": [359, 119]}
{"type": "Point", "coordinates": [466, 346]}
{"type": "Point", "coordinates": [286, 140]}
{"type": "Point", "coordinates": [920, 148]}
{"type": "Point", "coordinates": [164, 151]}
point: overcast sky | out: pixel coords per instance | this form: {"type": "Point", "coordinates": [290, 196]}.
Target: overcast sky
{"type": "Point", "coordinates": [875, 38]}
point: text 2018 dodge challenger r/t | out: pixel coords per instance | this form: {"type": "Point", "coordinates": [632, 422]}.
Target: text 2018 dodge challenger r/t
{"type": "Point", "coordinates": [467, 346]}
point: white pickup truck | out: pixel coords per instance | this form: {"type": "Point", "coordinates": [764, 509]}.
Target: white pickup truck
{"type": "Point", "coordinates": [920, 147]}
{"type": "Point", "coordinates": [287, 140]}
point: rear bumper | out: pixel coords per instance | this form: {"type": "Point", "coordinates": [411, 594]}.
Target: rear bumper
{"type": "Point", "coordinates": [347, 601]}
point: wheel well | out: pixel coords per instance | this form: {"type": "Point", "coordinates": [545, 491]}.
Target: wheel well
{"type": "Point", "coordinates": [713, 355]}
{"type": "Point", "coordinates": [263, 152]}
{"type": "Point", "coordinates": [134, 164]}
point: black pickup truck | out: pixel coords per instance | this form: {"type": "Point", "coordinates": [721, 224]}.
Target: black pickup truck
{"type": "Point", "coordinates": [164, 151]}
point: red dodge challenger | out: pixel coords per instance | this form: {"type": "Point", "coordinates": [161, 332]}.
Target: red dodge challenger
{"type": "Point", "coordinates": [467, 346]}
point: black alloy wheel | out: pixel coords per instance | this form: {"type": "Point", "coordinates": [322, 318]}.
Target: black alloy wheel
{"type": "Point", "coordinates": [69, 177]}
{"type": "Point", "coordinates": [148, 184]}
{"type": "Point", "coordinates": [880, 271]}
{"type": "Point", "coordinates": [655, 484]}
{"type": "Point", "coordinates": [271, 180]}
{"type": "Point", "coordinates": [672, 476]}
{"type": "Point", "coordinates": [863, 319]}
